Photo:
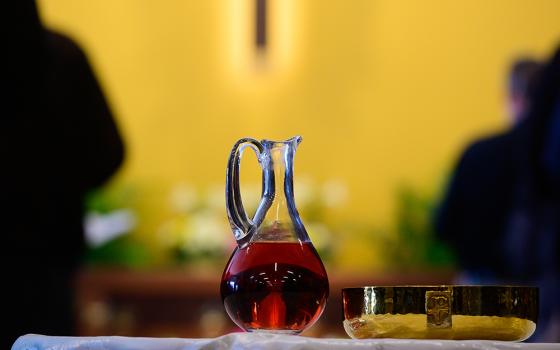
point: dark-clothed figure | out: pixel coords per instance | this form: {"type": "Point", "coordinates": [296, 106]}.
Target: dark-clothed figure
{"type": "Point", "coordinates": [58, 141]}
{"type": "Point", "coordinates": [502, 209]}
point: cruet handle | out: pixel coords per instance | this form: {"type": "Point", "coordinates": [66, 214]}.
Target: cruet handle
{"type": "Point", "coordinates": [243, 227]}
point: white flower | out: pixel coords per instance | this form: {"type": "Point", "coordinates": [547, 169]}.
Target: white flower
{"type": "Point", "coordinates": [206, 231]}
{"type": "Point", "coordinates": [101, 228]}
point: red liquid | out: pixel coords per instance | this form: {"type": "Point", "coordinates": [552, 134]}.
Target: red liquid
{"type": "Point", "coordinates": [275, 286]}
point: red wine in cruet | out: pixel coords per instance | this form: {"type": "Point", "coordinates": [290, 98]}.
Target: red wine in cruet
{"type": "Point", "coordinates": [275, 286]}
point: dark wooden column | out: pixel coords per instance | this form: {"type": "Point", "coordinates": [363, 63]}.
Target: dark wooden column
{"type": "Point", "coordinates": [260, 24]}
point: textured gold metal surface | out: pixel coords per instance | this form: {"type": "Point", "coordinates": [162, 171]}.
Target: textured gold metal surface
{"type": "Point", "coordinates": [441, 312]}
{"type": "Point", "coordinates": [438, 309]}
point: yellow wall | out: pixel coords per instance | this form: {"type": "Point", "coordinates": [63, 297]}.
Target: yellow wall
{"type": "Point", "coordinates": [384, 92]}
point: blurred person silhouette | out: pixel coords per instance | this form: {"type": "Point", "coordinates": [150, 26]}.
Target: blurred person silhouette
{"type": "Point", "coordinates": [501, 211]}
{"type": "Point", "coordinates": [59, 140]}
{"type": "Point", "coordinates": [477, 202]}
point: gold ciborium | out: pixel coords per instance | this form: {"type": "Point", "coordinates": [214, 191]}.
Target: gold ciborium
{"type": "Point", "coordinates": [506, 313]}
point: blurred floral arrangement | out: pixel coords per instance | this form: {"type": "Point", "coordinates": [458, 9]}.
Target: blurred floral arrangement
{"type": "Point", "coordinates": [192, 229]}
{"type": "Point", "coordinates": [198, 231]}
{"type": "Point", "coordinates": [195, 231]}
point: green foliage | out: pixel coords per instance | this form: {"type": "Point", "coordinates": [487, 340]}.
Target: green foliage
{"type": "Point", "coordinates": [207, 256]}
{"type": "Point", "coordinates": [106, 199]}
{"type": "Point", "coordinates": [122, 251]}
{"type": "Point", "coordinates": [417, 244]}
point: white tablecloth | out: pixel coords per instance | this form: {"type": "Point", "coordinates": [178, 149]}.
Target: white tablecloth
{"type": "Point", "coordinates": [242, 341]}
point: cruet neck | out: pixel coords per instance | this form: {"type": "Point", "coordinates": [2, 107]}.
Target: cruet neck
{"type": "Point", "coordinates": [276, 218]}
{"type": "Point", "coordinates": [279, 219]}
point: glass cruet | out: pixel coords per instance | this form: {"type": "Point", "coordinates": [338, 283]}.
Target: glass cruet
{"type": "Point", "coordinates": [274, 280]}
